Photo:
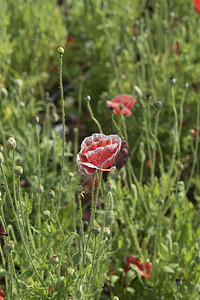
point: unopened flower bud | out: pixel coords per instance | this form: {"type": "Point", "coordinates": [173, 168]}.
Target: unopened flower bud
{"type": "Point", "coordinates": [51, 193]}
{"type": "Point", "coordinates": [18, 170]}
{"type": "Point", "coordinates": [22, 105]}
{"type": "Point", "coordinates": [40, 188]}
{"type": "Point", "coordinates": [179, 166]}
{"type": "Point", "coordinates": [115, 298]}
{"type": "Point", "coordinates": [178, 282]}
{"type": "Point", "coordinates": [1, 158]}
{"type": "Point", "coordinates": [96, 229]}
{"type": "Point", "coordinates": [106, 231]}
{"type": "Point", "coordinates": [158, 105]}
{"type": "Point", "coordinates": [19, 83]}
{"type": "Point", "coordinates": [54, 259]}
{"type": "Point", "coordinates": [121, 106]}
{"type": "Point", "coordinates": [61, 50]}
{"type": "Point", "coordinates": [110, 216]}
{"type": "Point", "coordinates": [11, 143]}
{"type": "Point", "coordinates": [46, 214]}
{"type": "Point", "coordinates": [76, 257]}
{"type": "Point", "coordinates": [9, 246]}
{"type": "Point", "coordinates": [160, 202]}
{"type": "Point", "coordinates": [4, 93]}
{"type": "Point", "coordinates": [138, 91]}
{"type": "Point", "coordinates": [87, 98]}
{"type": "Point", "coordinates": [172, 81]}
{"type": "Point", "coordinates": [185, 85]}
{"type": "Point", "coordinates": [35, 119]}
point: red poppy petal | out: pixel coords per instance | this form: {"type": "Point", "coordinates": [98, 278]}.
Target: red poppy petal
{"type": "Point", "coordinates": [197, 5]}
{"type": "Point", "coordinates": [91, 168]}
{"type": "Point", "coordinates": [126, 112]}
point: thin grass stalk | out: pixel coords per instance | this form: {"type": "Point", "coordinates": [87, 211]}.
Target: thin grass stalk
{"type": "Point", "coordinates": [81, 229]}
{"type": "Point", "coordinates": [93, 117]}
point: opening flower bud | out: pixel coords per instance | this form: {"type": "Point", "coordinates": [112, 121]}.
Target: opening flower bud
{"type": "Point", "coordinates": [9, 246]}
{"type": "Point", "coordinates": [40, 188]}
{"type": "Point", "coordinates": [51, 193]}
{"type": "Point", "coordinates": [158, 105]}
{"type": "Point", "coordinates": [54, 259]}
{"type": "Point", "coordinates": [106, 231]}
{"type": "Point", "coordinates": [18, 170]}
{"type": "Point", "coordinates": [46, 214]}
{"type": "Point", "coordinates": [96, 229]}
{"type": "Point", "coordinates": [115, 298]}
{"type": "Point", "coordinates": [61, 50]}
{"type": "Point", "coordinates": [35, 119]}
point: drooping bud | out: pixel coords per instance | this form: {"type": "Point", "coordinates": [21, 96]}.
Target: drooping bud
{"type": "Point", "coordinates": [110, 216]}
{"type": "Point", "coordinates": [76, 257]}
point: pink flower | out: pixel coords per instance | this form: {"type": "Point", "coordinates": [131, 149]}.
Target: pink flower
{"type": "Point", "coordinates": [98, 152]}
{"type": "Point", "coordinates": [197, 5]}
{"type": "Point", "coordinates": [124, 100]}
{"type": "Point", "coordinates": [132, 259]}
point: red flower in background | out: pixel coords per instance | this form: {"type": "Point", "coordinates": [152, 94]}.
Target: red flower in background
{"type": "Point", "coordinates": [98, 152]}
{"type": "Point", "coordinates": [2, 232]}
{"type": "Point", "coordinates": [2, 295]}
{"type": "Point", "coordinates": [132, 259]}
{"type": "Point", "coordinates": [125, 100]}
{"type": "Point", "coordinates": [197, 5]}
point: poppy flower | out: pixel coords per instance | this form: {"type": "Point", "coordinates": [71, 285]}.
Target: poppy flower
{"type": "Point", "coordinates": [132, 259]}
{"type": "Point", "coordinates": [2, 232]}
{"type": "Point", "coordinates": [123, 155]}
{"type": "Point", "coordinates": [2, 295]}
{"type": "Point", "coordinates": [98, 152]}
{"type": "Point", "coordinates": [125, 101]}
{"type": "Point", "coordinates": [197, 5]}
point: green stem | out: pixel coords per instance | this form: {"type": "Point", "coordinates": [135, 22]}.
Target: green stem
{"type": "Point", "coordinates": [63, 127]}
{"type": "Point", "coordinates": [4, 266]}
{"type": "Point", "coordinates": [93, 117]}
{"type": "Point", "coordinates": [19, 228]}
{"type": "Point", "coordinates": [81, 228]}
{"type": "Point", "coordinates": [38, 153]}
{"type": "Point", "coordinates": [93, 212]}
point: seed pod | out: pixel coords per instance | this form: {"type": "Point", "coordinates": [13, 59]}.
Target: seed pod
{"type": "Point", "coordinates": [35, 119]}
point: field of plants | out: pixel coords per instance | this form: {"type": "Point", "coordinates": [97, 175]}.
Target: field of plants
{"type": "Point", "coordinates": [99, 149]}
